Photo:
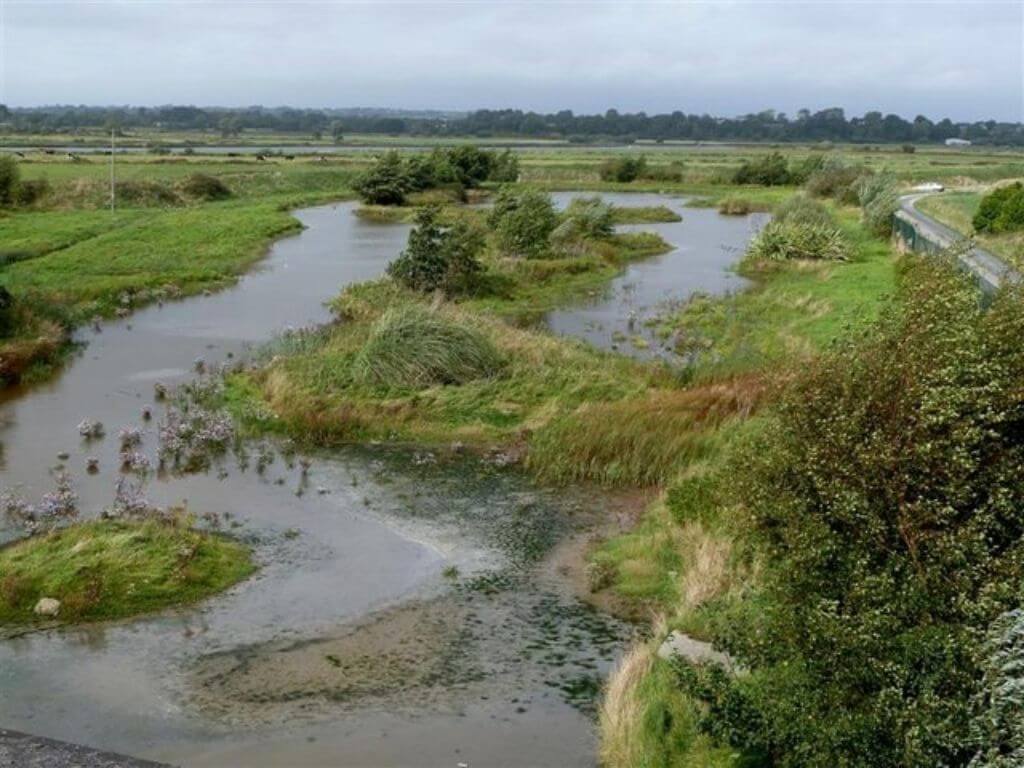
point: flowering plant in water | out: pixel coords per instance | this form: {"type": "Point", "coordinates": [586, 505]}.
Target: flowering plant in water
{"type": "Point", "coordinates": [191, 437]}
{"type": "Point", "coordinates": [62, 502]}
{"type": "Point", "coordinates": [90, 429]}
{"type": "Point", "coordinates": [130, 500]}
{"type": "Point", "coordinates": [130, 437]}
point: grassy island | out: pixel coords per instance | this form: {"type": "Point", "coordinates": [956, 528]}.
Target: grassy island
{"type": "Point", "coordinates": [113, 569]}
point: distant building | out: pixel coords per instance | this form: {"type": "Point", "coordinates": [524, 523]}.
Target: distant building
{"type": "Point", "coordinates": [957, 143]}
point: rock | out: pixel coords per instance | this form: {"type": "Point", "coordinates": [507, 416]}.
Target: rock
{"type": "Point", "coordinates": [63, 455]}
{"type": "Point", "coordinates": [47, 606]}
{"type": "Point", "coordinates": [684, 646]}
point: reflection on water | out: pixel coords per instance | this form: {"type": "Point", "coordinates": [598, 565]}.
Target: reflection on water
{"type": "Point", "coordinates": [705, 245]}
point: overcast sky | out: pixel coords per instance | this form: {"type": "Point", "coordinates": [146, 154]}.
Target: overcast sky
{"type": "Point", "coordinates": [959, 59]}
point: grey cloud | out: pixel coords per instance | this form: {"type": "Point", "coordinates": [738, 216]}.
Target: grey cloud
{"type": "Point", "coordinates": [943, 58]}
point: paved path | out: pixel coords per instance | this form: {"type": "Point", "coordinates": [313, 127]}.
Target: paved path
{"type": "Point", "coordinates": [990, 270]}
{"type": "Point", "coordinates": [19, 750]}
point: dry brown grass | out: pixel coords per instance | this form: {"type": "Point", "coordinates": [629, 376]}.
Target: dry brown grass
{"type": "Point", "coordinates": [622, 710]}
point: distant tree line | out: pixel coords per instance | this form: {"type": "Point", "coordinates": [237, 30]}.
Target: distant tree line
{"type": "Point", "coordinates": [769, 125]}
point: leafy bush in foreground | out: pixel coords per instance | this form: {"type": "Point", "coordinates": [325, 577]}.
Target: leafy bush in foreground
{"type": "Point", "coordinates": [1001, 210]}
{"type": "Point", "coordinates": [886, 495]}
{"type": "Point", "coordinates": [801, 209]}
{"type": "Point", "coordinates": [438, 257]}
{"type": "Point", "coordinates": [411, 346]}
{"type": "Point", "coordinates": [788, 240]}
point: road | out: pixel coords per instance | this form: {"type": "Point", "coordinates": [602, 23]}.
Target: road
{"type": "Point", "coordinates": [990, 270]}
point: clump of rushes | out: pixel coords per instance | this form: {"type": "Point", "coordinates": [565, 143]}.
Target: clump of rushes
{"type": "Point", "coordinates": [787, 241]}
{"type": "Point", "coordinates": [411, 346]}
{"type": "Point", "coordinates": [112, 569]}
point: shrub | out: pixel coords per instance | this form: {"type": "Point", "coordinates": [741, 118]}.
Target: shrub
{"type": "Point", "coordinates": [801, 209]}
{"type": "Point", "coordinates": [998, 727]}
{"type": "Point", "coordinates": [837, 179]}
{"type": "Point", "coordinates": [769, 171]}
{"type": "Point", "coordinates": [786, 240]}
{"type": "Point", "coordinates": [386, 183]}
{"type": "Point", "coordinates": [472, 165]}
{"type": "Point", "coordinates": [9, 176]}
{"type": "Point", "coordinates": [885, 499]}
{"type": "Point", "coordinates": [623, 169]}
{"type": "Point", "coordinates": [522, 221]}
{"type": "Point", "coordinates": [201, 186]}
{"type": "Point", "coordinates": [438, 257]}
{"type": "Point", "coordinates": [879, 201]}
{"type": "Point", "coordinates": [505, 167]}
{"type": "Point", "coordinates": [6, 311]}
{"type": "Point", "coordinates": [411, 346]}
{"type": "Point", "coordinates": [31, 191]}
{"type": "Point", "coordinates": [1001, 210]}
{"type": "Point", "coordinates": [585, 218]}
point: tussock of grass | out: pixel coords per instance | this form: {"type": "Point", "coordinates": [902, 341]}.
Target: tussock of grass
{"type": "Point", "coordinates": [413, 347]}
{"type": "Point", "coordinates": [640, 441]}
{"type": "Point", "coordinates": [647, 722]}
{"type": "Point", "coordinates": [110, 569]}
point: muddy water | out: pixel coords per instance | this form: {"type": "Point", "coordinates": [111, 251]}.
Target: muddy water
{"type": "Point", "coordinates": [705, 244]}
{"type": "Point", "coordinates": [403, 613]}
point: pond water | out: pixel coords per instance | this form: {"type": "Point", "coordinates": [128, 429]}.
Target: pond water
{"type": "Point", "coordinates": [705, 244]}
{"type": "Point", "coordinates": [354, 644]}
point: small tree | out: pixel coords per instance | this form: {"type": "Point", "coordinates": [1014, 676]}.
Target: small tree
{"type": "Point", "coordinates": [438, 257]}
{"type": "Point", "coordinates": [386, 183]}
{"type": "Point", "coordinates": [586, 218]}
{"type": "Point", "coordinates": [523, 220]}
{"type": "Point", "coordinates": [9, 176]}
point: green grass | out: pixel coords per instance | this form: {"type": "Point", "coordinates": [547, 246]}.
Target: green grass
{"type": "Point", "coordinates": [957, 209]}
{"type": "Point", "coordinates": [792, 310]}
{"type": "Point", "coordinates": [641, 214]}
{"type": "Point", "coordinates": [187, 248]}
{"type": "Point", "coordinates": [111, 569]}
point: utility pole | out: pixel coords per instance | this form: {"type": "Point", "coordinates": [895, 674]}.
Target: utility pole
{"type": "Point", "coordinates": [112, 170]}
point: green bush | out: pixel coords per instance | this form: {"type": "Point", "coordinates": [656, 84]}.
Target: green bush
{"type": "Point", "coordinates": [585, 218]}
{"type": "Point", "coordinates": [412, 346]}
{"type": "Point", "coordinates": [386, 183]}
{"type": "Point", "coordinates": [879, 200]}
{"type": "Point", "coordinates": [522, 221]}
{"type": "Point", "coordinates": [9, 177]}
{"type": "Point", "coordinates": [886, 502]}
{"type": "Point", "coordinates": [31, 191]}
{"type": "Point", "coordinates": [789, 240]}
{"type": "Point", "coordinates": [1001, 210]}
{"type": "Point", "coordinates": [769, 170]}
{"type": "Point", "coordinates": [201, 186]}
{"type": "Point", "coordinates": [801, 209]}
{"type": "Point", "coordinates": [836, 178]}
{"type": "Point", "coordinates": [6, 311]}
{"type": "Point", "coordinates": [438, 257]}
{"type": "Point", "coordinates": [623, 169]}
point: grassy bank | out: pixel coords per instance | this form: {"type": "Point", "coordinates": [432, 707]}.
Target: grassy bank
{"type": "Point", "coordinates": [957, 209]}
{"type": "Point", "coordinates": [68, 258]}
{"type": "Point", "coordinates": [114, 569]}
